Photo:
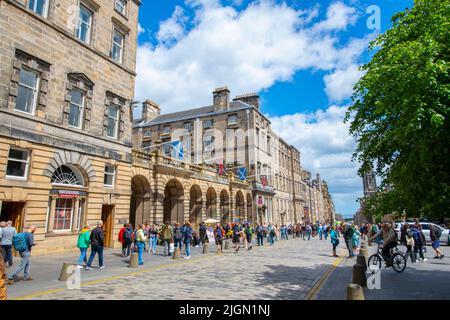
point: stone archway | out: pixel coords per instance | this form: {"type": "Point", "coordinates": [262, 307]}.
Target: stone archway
{"type": "Point", "coordinates": [250, 215]}
{"type": "Point", "coordinates": [224, 206]}
{"type": "Point", "coordinates": [195, 206]}
{"type": "Point", "coordinates": [140, 200]}
{"type": "Point", "coordinates": [211, 203]}
{"type": "Point", "coordinates": [240, 206]}
{"type": "Point", "coordinates": [174, 202]}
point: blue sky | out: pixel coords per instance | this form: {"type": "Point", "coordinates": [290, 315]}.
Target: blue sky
{"type": "Point", "coordinates": [301, 56]}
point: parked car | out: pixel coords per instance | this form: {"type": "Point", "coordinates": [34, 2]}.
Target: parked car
{"type": "Point", "coordinates": [445, 236]}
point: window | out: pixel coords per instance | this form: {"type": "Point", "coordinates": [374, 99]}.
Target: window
{"type": "Point", "coordinates": [120, 6]}
{"type": "Point", "coordinates": [83, 31]}
{"type": "Point", "coordinates": [113, 119]}
{"type": "Point", "coordinates": [146, 145]}
{"type": "Point", "coordinates": [27, 92]}
{"type": "Point", "coordinates": [232, 119]}
{"type": "Point", "coordinates": [208, 143]}
{"type": "Point", "coordinates": [110, 173]}
{"type": "Point", "coordinates": [39, 6]}
{"type": "Point", "coordinates": [257, 138]}
{"type": "Point", "coordinates": [67, 175]}
{"type": "Point", "coordinates": [76, 108]}
{"type": "Point", "coordinates": [208, 123]}
{"type": "Point", "coordinates": [166, 148]}
{"type": "Point", "coordinates": [17, 166]}
{"type": "Point", "coordinates": [166, 129]}
{"type": "Point", "coordinates": [188, 126]}
{"type": "Point", "coordinates": [117, 46]}
{"type": "Point", "coordinates": [63, 214]}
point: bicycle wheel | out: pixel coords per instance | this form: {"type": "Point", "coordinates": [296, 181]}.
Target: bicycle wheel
{"type": "Point", "coordinates": [374, 260]}
{"type": "Point", "coordinates": [398, 262]}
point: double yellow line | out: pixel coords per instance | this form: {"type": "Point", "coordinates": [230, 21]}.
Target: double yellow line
{"type": "Point", "coordinates": [319, 284]}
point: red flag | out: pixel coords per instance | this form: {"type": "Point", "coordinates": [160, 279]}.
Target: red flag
{"type": "Point", "coordinates": [264, 181]}
{"type": "Point", "coordinates": [221, 168]}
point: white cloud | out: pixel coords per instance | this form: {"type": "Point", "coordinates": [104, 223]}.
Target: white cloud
{"type": "Point", "coordinates": [339, 84]}
{"type": "Point", "coordinates": [327, 148]}
{"type": "Point", "coordinates": [247, 50]}
{"type": "Point", "coordinates": [140, 29]}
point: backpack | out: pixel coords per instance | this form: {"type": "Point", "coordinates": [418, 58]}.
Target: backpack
{"type": "Point", "coordinates": [438, 232]}
{"type": "Point", "coordinates": [127, 235]}
{"type": "Point", "coordinates": [20, 242]}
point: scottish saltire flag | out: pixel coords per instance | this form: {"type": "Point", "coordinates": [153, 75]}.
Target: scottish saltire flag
{"type": "Point", "coordinates": [177, 150]}
{"type": "Point", "coordinates": [242, 173]}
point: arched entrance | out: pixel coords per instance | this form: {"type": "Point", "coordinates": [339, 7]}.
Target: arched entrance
{"type": "Point", "coordinates": [211, 203]}
{"type": "Point", "coordinates": [250, 215]}
{"type": "Point", "coordinates": [173, 202]}
{"type": "Point", "coordinates": [195, 206]}
{"type": "Point", "coordinates": [140, 201]}
{"type": "Point", "coordinates": [67, 199]}
{"type": "Point", "coordinates": [240, 206]}
{"type": "Point", "coordinates": [225, 206]}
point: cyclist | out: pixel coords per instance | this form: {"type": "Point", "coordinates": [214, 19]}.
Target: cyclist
{"type": "Point", "coordinates": [389, 236]}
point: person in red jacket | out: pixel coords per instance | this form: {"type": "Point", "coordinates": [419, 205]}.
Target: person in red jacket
{"type": "Point", "coordinates": [121, 240]}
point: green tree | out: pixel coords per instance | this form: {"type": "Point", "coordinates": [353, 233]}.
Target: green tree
{"type": "Point", "coordinates": [400, 111]}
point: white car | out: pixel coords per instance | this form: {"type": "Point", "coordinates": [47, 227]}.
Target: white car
{"type": "Point", "coordinates": [444, 239]}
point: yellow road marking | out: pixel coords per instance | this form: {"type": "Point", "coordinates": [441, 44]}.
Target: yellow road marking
{"type": "Point", "coordinates": [319, 284]}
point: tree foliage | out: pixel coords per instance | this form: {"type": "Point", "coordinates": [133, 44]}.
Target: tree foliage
{"type": "Point", "coordinates": [400, 111]}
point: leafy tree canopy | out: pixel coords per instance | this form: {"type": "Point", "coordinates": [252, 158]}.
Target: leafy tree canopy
{"type": "Point", "coordinates": [400, 112]}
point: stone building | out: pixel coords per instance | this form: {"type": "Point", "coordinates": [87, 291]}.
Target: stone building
{"type": "Point", "coordinates": [67, 75]}
{"type": "Point", "coordinates": [226, 137]}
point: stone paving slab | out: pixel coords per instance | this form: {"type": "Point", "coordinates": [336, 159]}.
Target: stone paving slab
{"type": "Point", "coordinates": [287, 270]}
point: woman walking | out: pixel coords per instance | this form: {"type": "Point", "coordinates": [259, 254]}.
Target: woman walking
{"type": "Point", "coordinates": [83, 244]}
{"type": "Point", "coordinates": [334, 239]}
{"type": "Point", "coordinates": [154, 231]}
{"type": "Point", "coordinates": [187, 236]}
{"type": "Point", "coordinates": [140, 241]}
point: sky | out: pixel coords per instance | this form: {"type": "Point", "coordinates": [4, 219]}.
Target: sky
{"type": "Point", "coordinates": [301, 56]}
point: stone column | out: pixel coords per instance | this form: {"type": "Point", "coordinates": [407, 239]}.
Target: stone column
{"type": "Point", "coordinates": [75, 215]}
{"type": "Point", "coordinates": [51, 215]}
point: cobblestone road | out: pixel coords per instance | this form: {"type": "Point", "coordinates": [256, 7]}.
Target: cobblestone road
{"type": "Point", "coordinates": [287, 270]}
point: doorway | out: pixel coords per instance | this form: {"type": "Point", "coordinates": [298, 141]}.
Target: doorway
{"type": "Point", "coordinates": [14, 211]}
{"type": "Point", "coordinates": [108, 225]}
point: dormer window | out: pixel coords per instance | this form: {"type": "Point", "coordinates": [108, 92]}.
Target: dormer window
{"type": "Point", "coordinates": [188, 126]}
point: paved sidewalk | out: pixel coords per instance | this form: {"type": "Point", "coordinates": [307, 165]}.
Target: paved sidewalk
{"type": "Point", "coordinates": [287, 270]}
{"type": "Point", "coordinates": [420, 281]}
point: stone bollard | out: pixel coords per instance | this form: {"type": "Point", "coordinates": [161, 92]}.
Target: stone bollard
{"type": "Point", "coordinates": [206, 248]}
{"type": "Point", "coordinates": [177, 253]}
{"type": "Point", "coordinates": [361, 259]}
{"type": "Point", "coordinates": [134, 262]}
{"type": "Point", "coordinates": [365, 253]}
{"type": "Point", "coordinates": [67, 270]}
{"type": "Point", "coordinates": [359, 275]}
{"type": "Point", "coordinates": [227, 244]}
{"type": "Point", "coordinates": [355, 292]}
{"type": "Point", "coordinates": [363, 244]}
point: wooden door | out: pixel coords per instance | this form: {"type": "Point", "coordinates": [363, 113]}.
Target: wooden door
{"type": "Point", "coordinates": [108, 225]}
{"type": "Point", "coordinates": [13, 210]}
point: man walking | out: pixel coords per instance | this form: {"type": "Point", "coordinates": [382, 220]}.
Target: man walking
{"type": "Point", "coordinates": [202, 233]}
{"type": "Point", "coordinates": [8, 232]}
{"type": "Point", "coordinates": [219, 234]}
{"type": "Point", "coordinates": [167, 234]}
{"type": "Point", "coordinates": [23, 242]}
{"type": "Point", "coordinates": [348, 235]}
{"type": "Point", "coordinates": [260, 234]}
{"type": "Point", "coordinates": [97, 238]}
{"type": "Point", "coordinates": [435, 234]}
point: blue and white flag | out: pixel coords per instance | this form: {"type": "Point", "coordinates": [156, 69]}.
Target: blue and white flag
{"type": "Point", "coordinates": [177, 150]}
{"type": "Point", "coordinates": [242, 172]}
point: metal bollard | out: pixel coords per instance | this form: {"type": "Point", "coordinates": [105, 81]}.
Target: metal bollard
{"type": "Point", "coordinates": [361, 259]}
{"type": "Point", "coordinates": [67, 270]}
{"type": "Point", "coordinates": [355, 292]}
{"type": "Point", "coordinates": [359, 275]}
{"type": "Point", "coordinates": [134, 262]}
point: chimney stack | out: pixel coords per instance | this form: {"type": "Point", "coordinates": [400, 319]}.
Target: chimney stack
{"type": "Point", "coordinates": [221, 99]}
{"type": "Point", "coordinates": [249, 98]}
{"type": "Point", "coordinates": [150, 110]}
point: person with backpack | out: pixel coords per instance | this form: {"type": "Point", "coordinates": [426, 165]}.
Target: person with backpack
{"type": "Point", "coordinates": [140, 240]}
{"type": "Point", "coordinates": [334, 238]}
{"type": "Point", "coordinates": [219, 234]}
{"type": "Point", "coordinates": [146, 229]}
{"type": "Point", "coordinates": [308, 231]}
{"type": "Point", "coordinates": [260, 234]}
{"type": "Point", "coordinates": [249, 236]}
{"type": "Point", "coordinates": [8, 233]}
{"type": "Point", "coordinates": [22, 243]}
{"type": "Point", "coordinates": [348, 235]}
{"type": "Point", "coordinates": [410, 246]}
{"type": "Point", "coordinates": [153, 234]}
{"type": "Point", "coordinates": [83, 244]}
{"type": "Point", "coordinates": [187, 239]}
{"type": "Point", "coordinates": [202, 233]}
{"type": "Point", "coordinates": [167, 236]}
{"type": "Point", "coordinates": [272, 234]}
{"type": "Point", "coordinates": [435, 234]}
{"type": "Point", "coordinates": [178, 236]}
{"type": "Point", "coordinates": [127, 238]}
{"type": "Point", "coordinates": [97, 237]}
{"type": "Point", "coordinates": [417, 242]}
{"type": "Point", "coordinates": [237, 234]}
{"type": "Point", "coordinates": [120, 238]}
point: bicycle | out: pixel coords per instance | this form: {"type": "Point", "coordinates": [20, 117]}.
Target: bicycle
{"type": "Point", "coordinates": [397, 259]}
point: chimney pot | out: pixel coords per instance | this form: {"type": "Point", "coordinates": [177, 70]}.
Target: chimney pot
{"type": "Point", "coordinates": [249, 98]}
